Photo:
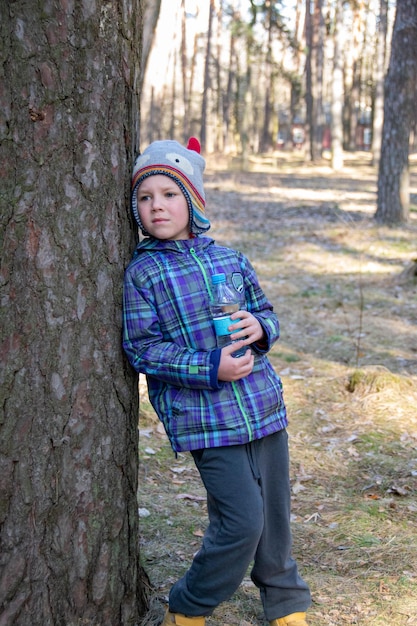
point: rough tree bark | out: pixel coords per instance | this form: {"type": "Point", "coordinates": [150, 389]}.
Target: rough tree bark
{"type": "Point", "coordinates": [68, 439]}
{"type": "Point", "coordinates": [399, 110]}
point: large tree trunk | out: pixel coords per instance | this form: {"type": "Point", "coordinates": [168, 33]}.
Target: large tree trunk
{"type": "Point", "coordinates": [399, 107]}
{"type": "Point", "coordinates": [68, 446]}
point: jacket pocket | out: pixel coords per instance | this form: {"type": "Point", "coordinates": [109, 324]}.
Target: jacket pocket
{"type": "Point", "coordinates": [262, 392]}
{"type": "Point", "coordinates": [203, 411]}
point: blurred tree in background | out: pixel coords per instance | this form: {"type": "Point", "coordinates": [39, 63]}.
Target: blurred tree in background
{"type": "Point", "coordinates": [399, 118]}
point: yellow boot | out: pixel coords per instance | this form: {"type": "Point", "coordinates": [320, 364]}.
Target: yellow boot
{"type": "Point", "coordinates": [182, 620]}
{"type": "Point", "coordinates": [295, 619]}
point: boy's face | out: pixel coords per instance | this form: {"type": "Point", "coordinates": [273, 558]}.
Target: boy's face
{"type": "Point", "coordinates": [163, 209]}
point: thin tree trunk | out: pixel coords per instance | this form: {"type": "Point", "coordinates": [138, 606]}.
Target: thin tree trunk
{"type": "Point", "coordinates": [337, 90]}
{"type": "Point", "coordinates": [151, 10]}
{"type": "Point", "coordinates": [184, 66]}
{"type": "Point", "coordinates": [296, 88]}
{"type": "Point", "coordinates": [266, 127]}
{"type": "Point", "coordinates": [317, 83]}
{"type": "Point", "coordinates": [191, 84]}
{"type": "Point", "coordinates": [218, 139]}
{"type": "Point", "coordinates": [204, 107]}
{"type": "Point", "coordinates": [378, 118]}
{"type": "Point", "coordinates": [309, 96]}
{"type": "Point", "coordinates": [352, 78]}
{"type": "Point", "coordinates": [173, 96]}
{"type": "Point", "coordinates": [314, 77]}
{"type": "Point", "coordinates": [244, 103]}
{"type": "Point", "coordinates": [231, 74]}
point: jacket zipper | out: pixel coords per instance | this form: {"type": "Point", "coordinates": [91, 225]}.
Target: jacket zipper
{"type": "Point", "coordinates": [234, 386]}
{"type": "Point", "coordinates": [203, 271]}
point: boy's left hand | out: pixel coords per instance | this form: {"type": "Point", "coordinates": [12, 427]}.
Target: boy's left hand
{"type": "Point", "coordinates": [248, 328]}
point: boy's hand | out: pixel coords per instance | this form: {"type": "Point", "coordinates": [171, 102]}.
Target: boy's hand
{"type": "Point", "coordinates": [231, 368]}
{"type": "Point", "coordinates": [248, 328]}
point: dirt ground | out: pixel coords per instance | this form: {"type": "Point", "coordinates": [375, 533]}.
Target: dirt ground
{"type": "Point", "coordinates": [345, 291]}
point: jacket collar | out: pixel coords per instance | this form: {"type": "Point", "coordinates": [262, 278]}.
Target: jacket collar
{"type": "Point", "coordinates": [150, 244]}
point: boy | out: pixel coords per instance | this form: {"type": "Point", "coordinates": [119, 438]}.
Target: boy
{"type": "Point", "coordinates": [228, 412]}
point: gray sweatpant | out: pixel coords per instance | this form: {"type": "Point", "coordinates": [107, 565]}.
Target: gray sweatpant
{"type": "Point", "coordinates": [248, 497]}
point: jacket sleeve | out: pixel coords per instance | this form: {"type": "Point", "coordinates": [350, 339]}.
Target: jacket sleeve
{"type": "Point", "coordinates": [150, 354]}
{"type": "Point", "coordinates": [258, 304]}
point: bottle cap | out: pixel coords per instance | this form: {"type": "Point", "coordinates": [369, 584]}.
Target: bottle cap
{"type": "Point", "coordinates": [218, 278]}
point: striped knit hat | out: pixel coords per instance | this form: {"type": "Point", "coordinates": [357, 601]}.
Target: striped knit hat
{"type": "Point", "coordinates": [185, 166]}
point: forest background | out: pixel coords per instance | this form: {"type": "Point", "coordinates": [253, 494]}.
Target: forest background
{"type": "Point", "coordinates": [252, 77]}
{"type": "Point", "coordinates": [235, 73]}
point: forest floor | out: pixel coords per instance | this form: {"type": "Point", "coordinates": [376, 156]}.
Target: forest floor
{"type": "Point", "coordinates": [345, 291]}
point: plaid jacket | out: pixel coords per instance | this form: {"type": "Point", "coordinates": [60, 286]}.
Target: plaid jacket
{"type": "Point", "coordinates": [168, 334]}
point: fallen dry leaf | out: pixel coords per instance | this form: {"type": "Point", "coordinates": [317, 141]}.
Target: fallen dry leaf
{"type": "Point", "coordinates": [190, 496]}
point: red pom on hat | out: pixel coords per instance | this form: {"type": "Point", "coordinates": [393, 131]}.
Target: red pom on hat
{"type": "Point", "coordinates": [194, 144]}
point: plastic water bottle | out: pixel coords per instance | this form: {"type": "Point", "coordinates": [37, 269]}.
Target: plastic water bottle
{"type": "Point", "coordinates": [225, 302]}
